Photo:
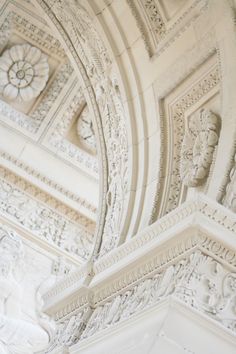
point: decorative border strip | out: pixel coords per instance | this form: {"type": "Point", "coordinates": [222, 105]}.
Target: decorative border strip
{"type": "Point", "coordinates": [82, 202]}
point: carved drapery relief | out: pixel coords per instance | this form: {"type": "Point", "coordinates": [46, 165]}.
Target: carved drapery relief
{"type": "Point", "coordinates": [16, 334]}
{"type": "Point", "coordinates": [94, 56]}
{"type": "Point", "coordinates": [24, 72]}
{"type": "Point", "coordinates": [194, 267]}
{"type": "Point", "coordinates": [44, 222]}
{"type": "Point", "coordinates": [200, 140]}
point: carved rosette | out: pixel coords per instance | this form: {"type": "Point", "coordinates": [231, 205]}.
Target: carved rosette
{"type": "Point", "coordinates": [24, 72]}
{"type": "Point", "coordinates": [200, 140]}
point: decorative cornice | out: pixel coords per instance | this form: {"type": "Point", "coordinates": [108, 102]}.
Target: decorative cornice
{"type": "Point", "coordinates": [203, 205]}
{"type": "Point", "coordinates": [187, 279]}
{"type": "Point", "coordinates": [189, 251]}
{"type": "Point", "coordinates": [173, 236]}
{"type": "Point", "coordinates": [29, 170]}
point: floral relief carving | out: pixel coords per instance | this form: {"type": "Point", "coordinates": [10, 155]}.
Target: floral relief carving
{"type": "Point", "coordinates": [68, 331]}
{"type": "Point", "coordinates": [44, 222]}
{"type": "Point", "coordinates": [178, 110]}
{"type": "Point", "coordinates": [94, 56]}
{"type": "Point", "coordinates": [198, 280]}
{"type": "Point", "coordinates": [200, 140]}
{"type": "Point", "coordinates": [24, 72]}
{"type": "Point", "coordinates": [41, 196]}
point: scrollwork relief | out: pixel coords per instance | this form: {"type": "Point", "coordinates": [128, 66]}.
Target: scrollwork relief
{"type": "Point", "coordinates": [68, 331]}
{"type": "Point", "coordinates": [95, 58]}
{"type": "Point", "coordinates": [44, 222]}
{"type": "Point", "coordinates": [198, 280]}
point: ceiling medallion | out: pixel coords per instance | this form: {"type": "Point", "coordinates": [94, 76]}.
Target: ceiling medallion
{"type": "Point", "coordinates": [24, 72]}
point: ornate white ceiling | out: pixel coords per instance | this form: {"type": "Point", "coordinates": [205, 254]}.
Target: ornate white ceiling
{"type": "Point", "coordinates": [45, 121]}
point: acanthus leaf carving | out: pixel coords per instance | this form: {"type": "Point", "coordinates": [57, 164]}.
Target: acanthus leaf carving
{"type": "Point", "coordinates": [198, 280]}
{"type": "Point", "coordinates": [200, 140]}
{"type": "Point", "coordinates": [44, 222]}
{"type": "Point", "coordinates": [95, 58]}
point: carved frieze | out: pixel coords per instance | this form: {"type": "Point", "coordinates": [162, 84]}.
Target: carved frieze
{"type": "Point", "coordinates": [68, 331]}
{"type": "Point", "coordinates": [38, 194]}
{"type": "Point", "coordinates": [198, 280]}
{"type": "Point", "coordinates": [192, 267]}
{"type": "Point", "coordinates": [44, 222]}
{"type": "Point", "coordinates": [27, 28]}
{"type": "Point", "coordinates": [88, 48]}
{"type": "Point", "coordinates": [200, 140]}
